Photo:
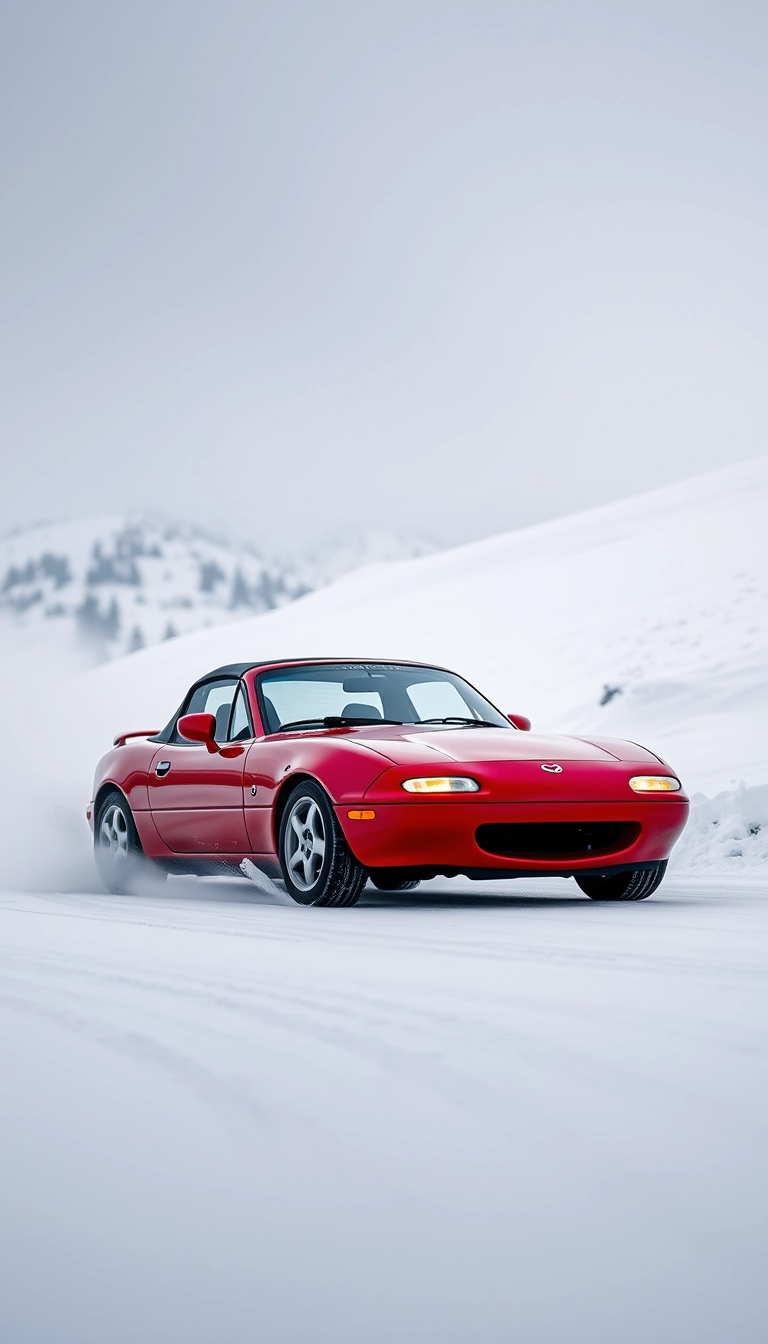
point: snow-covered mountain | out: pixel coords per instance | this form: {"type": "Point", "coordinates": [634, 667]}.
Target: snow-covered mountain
{"type": "Point", "coordinates": [645, 619]}
{"type": "Point", "coordinates": [109, 586]}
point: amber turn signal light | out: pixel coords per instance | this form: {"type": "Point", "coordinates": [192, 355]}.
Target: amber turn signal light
{"type": "Point", "coordinates": [357, 815]}
{"type": "Point", "coordinates": [655, 784]}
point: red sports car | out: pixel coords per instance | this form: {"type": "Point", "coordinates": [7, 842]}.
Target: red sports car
{"type": "Point", "coordinates": [331, 773]}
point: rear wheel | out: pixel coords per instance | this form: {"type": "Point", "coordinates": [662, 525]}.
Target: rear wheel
{"type": "Point", "coordinates": [318, 866]}
{"type": "Point", "coordinates": [117, 848]}
{"type": "Point", "coordinates": [635, 884]}
{"type": "Point", "coordinates": [384, 881]}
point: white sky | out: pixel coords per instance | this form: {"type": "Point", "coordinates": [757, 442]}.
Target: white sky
{"type": "Point", "coordinates": [446, 267]}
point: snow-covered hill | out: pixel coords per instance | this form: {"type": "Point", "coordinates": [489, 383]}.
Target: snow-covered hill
{"type": "Point", "coordinates": [645, 619]}
{"type": "Point", "coordinates": [98, 588]}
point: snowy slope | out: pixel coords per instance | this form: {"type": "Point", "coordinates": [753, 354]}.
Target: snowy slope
{"type": "Point", "coordinates": [646, 619]}
{"type": "Point", "coordinates": [98, 588]}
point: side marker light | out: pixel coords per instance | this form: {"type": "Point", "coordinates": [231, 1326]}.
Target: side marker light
{"type": "Point", "coordinates": [358, 815]}
{"type": "Point", "coordinates": [655, 784]}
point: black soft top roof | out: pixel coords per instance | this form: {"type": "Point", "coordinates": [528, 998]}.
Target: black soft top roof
{"type": "Point", "coordinates": [239, 669]}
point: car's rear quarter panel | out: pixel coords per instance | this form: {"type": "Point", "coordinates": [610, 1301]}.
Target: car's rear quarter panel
{"type": "Point", "coordinates": [126, 768]}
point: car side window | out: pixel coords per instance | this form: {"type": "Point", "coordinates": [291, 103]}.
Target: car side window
{"type": "Point", "coordinates": [240, 727]}
{"type": "Point", "coordinates": [213, 697]}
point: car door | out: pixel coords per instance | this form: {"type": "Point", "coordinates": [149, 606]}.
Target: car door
{"type": "Point", "coordinates": [196, 796]}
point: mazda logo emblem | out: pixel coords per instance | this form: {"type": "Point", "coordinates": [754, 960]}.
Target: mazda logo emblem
{"type": "Point", "coordinates": [553, 769]}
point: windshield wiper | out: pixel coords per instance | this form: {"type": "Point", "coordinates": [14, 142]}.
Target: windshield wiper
{"type": "Point", "coordinates": [334, 721]}
{"type": "Point", "coordinates": [468, 723]}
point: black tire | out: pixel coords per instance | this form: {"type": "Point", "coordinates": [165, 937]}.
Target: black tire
{"type": "Point", "coordinates": [119, 856]}
{"type": "Point", "coordinates": [635, 884]}
{"type": "Point", "coordinates": [382, 881]}
{"type": "Point", "coordinates": [317, 864]}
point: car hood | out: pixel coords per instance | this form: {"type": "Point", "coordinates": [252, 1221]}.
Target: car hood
{"type": "Point", "coordinates": [409, 746]}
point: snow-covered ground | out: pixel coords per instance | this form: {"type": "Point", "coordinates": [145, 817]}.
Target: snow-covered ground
{"type": "Point", "coordinates": [437, 1119]}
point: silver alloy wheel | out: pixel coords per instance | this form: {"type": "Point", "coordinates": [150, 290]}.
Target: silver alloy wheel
{"type": "Point", "coordinates": [304, 843]}
{"type": "Point", "coordinates": [113, 834]}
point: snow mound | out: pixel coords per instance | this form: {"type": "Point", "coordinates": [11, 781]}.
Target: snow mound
{"type": "Point", "coordinates": [727, 833]}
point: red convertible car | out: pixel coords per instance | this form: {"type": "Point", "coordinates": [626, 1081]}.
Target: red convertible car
{"type": "Point", "coordinates": [333, 773]}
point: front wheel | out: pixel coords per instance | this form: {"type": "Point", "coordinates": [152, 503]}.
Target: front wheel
{"type": "Point", "coordinates": [318, 866]}
{"type": "Point", "coordinates": [635, 884]}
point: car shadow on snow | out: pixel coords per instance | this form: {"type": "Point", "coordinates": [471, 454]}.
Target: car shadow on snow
{"type": "Point", "coordinates": [434, 895]}
{"type": "Point", "coordinates": [465, 898]}
{"type": "Point", "coordinates": [447, 894]}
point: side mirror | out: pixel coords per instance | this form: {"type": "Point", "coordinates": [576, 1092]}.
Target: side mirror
{"type": "Point", "coordinates": [199, 728]}
{"type": "Point", "coordinates": [519, 721]}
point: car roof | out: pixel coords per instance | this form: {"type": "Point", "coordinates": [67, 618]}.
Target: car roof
{"type": "Point", "coordinates": [239, 669]}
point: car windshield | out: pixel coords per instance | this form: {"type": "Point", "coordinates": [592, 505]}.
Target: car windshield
{"type": "Point", "coordinates": [314, 693]}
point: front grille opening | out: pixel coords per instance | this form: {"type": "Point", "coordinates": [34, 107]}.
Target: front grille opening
{"type": "Point", "coordinates": [556, 839]}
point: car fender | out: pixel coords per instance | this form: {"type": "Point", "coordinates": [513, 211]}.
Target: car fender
{"type": "Point", "coordinates": [344, 769]}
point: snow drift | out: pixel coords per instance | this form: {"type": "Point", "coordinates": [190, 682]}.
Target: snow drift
{"type": "Point", "coordinates": [729, 831]}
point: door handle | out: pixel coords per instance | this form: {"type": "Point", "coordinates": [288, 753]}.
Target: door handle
{"type": "Point", "coordinates": [162, 768]}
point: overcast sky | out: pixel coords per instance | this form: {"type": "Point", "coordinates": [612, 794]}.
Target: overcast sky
{"type": "Point", "coordinates": [447, 267]}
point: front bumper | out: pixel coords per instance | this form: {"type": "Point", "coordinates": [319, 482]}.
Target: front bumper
{"type": "Point", "coordinates": [424, 834]}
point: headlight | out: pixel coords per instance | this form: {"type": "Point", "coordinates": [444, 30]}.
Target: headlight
{"type": "Point", "coordinates": [442, 784]}
{"type": "Point", "coordinates": [655, 784]}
